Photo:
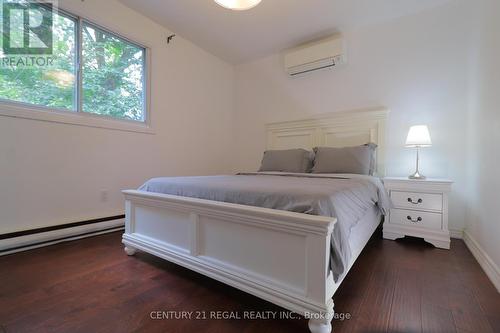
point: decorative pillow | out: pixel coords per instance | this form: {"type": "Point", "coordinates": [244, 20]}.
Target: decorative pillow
{"type": "Point", "coordinates": [291, 160]}
{"type": "Point", "coordinates": [358, 159]}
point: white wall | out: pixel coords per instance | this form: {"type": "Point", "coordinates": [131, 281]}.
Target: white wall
{"type": "Point", "coordinates": [483, 221]}
{"type": "Point", "coordinates": [416, 66]}
{"type": "Point", "coordinates": [53, 173]}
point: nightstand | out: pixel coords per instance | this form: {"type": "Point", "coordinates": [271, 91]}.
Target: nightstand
{"type": "Point", "coordinates": [420, 210]}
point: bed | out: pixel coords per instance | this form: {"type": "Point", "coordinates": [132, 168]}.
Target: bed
{"type": "Point", "coordinates": [239, 244]}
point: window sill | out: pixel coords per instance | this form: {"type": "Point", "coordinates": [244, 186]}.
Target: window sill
{"type": "Point", "coordinates": [27, 111]}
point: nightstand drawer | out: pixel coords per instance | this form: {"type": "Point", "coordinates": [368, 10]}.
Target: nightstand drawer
{"type": "Point", "coordinates": [416, 218]}
{"type": "Point", "coordinates": [415, 200]}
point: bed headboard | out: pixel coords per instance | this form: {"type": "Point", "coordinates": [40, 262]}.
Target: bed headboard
{"type": "Point", "coordinates": [339, 129]}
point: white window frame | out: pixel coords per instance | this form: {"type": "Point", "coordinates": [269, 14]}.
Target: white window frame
{"type": "Point", "coordinates": [16, 109]}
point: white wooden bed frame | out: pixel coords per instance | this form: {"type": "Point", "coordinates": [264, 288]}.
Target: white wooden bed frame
{"type": "Point", "coordinates": [282, 257]}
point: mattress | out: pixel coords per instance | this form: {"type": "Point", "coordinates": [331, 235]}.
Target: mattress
{"type": "Point", "coordinates": [344, 196]}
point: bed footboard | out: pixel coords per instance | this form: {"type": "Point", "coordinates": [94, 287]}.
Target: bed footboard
{"type": "Point", "coordinates": [279, 256]}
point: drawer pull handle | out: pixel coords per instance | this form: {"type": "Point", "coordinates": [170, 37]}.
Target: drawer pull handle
{"type": "Point", "coordinates": [419, 201]}
{"type": "Point", "coordinates": [419, 219]}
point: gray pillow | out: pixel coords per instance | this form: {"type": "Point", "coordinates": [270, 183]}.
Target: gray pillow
{"type": "Point", "coordinates": [291, 160]}
{"type": "Point", "coordinates": [357, 160]}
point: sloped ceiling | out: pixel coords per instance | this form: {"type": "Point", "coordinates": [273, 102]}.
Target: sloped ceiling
{"type": "Point", "coordinates": [241, 36]}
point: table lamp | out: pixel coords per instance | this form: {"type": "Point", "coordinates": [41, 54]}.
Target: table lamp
{"type": "Point", "coordinates": [418, 137]}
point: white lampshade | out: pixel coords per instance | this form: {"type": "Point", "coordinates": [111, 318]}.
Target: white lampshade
{"type": "Point", "coordinates": [238, 4]}
{"type": "Point", "coordinates": [418, 136]}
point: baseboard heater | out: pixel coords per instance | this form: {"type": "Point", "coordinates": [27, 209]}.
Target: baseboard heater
{"type": "Point", "coordinates": [29, 239]}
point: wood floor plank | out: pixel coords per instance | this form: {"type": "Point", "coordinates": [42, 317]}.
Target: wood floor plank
{"type": "Point", "coordinates": [436, 276]}
{"type": "Point", "coordinates": [406, 315]}
{"type": "Point", "coordinates": [467, 313]}
{"type": "Point", "coordinates": [483, 304]}
{"type": "Point", "coordinates": [377, 302]}
{"type": "Point", "coordinates": [437, 319]}
{"type": "Point", "coordinates": [349, 299]}
{"type": "Point", "coordinates": [494, 323]}
{"type": "Point", "coordinates": [90, 285]}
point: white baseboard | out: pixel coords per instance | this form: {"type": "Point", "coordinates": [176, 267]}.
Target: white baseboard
{"type": "Point", "coordinates": [28, 242]}
{"type": "Point", "coordinates": [489, 267]}
{"type": "Point", "coordinates": [457, 233]}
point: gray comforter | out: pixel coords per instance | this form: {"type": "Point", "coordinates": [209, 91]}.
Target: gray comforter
{"type": "Point", "coordinates": [344, 196]}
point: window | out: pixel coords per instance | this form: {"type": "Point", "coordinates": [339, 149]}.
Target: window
{"type": "Point", "coordinates": [51, 86]}
{"type": "Point", "coordinates": [112, 72]}
{"type": "Point", "coordinates": [92, 71]}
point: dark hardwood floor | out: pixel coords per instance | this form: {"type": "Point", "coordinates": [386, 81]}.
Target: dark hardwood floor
{"type": "Point", "coordinates": [90, 285]}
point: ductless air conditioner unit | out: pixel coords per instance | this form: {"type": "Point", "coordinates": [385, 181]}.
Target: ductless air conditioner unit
{"type": "Point", "coordinates": [325, 53]}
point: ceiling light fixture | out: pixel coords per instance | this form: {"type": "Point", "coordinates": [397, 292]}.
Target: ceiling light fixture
{"type": "Point", "coordinates": [238, 4]}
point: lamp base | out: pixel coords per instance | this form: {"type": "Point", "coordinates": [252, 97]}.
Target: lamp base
{"type": "Point", "coordinates": [417, 175]}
